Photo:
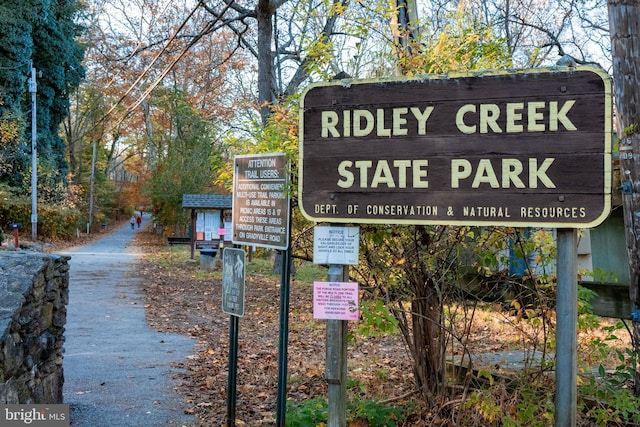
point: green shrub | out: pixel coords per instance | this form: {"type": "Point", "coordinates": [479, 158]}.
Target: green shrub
{"type": "Point", "coordinates": [377, 414]}
{"type": "Point", "coordinates": [58, 221]}
{"type": "Point", "coordinates": [54, 221]}
{"type": "Point", "coordinates": [314, 412]}
{"type": "Point", "coordinates": [608, 397]}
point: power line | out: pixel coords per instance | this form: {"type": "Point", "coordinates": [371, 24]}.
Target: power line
{"type": "Point", "coordinates": [146, 70]}
{"type": "Point", "coordinates": [131, 108]}
{"type": "Point", "coordinates": [138, 46]}
{"type": "Point", "coordinates": [150, 89]}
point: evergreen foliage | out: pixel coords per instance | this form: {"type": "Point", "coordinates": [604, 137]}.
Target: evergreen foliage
{"type": "Point", "coordinates": [16, 47]}
{"type": "Point", "coordinates": [41, 33]}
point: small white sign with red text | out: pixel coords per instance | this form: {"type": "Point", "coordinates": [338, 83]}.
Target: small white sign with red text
{"type": "Point", "coordinates": [335, 300]}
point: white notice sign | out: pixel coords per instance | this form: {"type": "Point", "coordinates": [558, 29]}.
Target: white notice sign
{"type": "Point", "coordinates": [336, 245]}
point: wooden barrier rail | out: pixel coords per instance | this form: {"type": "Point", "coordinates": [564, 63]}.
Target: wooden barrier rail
{"type": "Point", "coordinates": [179, 240]}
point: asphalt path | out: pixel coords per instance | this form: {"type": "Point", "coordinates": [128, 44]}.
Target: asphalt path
{"type": "Point", "coordinates": [118, 372]}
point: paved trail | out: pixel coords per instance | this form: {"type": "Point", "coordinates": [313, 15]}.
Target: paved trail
{"type": "Point", "coordinates": [118, 372]}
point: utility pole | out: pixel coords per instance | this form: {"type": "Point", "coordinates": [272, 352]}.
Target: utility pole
{"type": "Point", "coordinates": [625, 49]}
{"type": "Point", "coordinates": [93, 180]}
{"type": "Point", "coordinates": [33, 86]}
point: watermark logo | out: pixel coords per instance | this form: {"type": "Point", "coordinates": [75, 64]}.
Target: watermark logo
{"type": "Point", "coordinates": [34, 415]}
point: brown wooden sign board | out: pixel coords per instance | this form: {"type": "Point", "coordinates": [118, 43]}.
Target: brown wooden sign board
{"type": "Point", "coordinates": [261, 200]}
{"type": "Point", "coordinates": [522, 148]}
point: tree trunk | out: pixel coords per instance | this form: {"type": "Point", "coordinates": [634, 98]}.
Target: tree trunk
{"type": "Point", "coordinates": [624, 25]}
{"type": "Point", "coordinates": [264, 14]}
{"type": "Point", "coordinates": [427, 347]}
{"type": "Point", "coordinates": [426, 312]}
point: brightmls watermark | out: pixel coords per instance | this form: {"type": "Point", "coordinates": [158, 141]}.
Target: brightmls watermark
{"type": "Point", "coordinates": [34, 415]}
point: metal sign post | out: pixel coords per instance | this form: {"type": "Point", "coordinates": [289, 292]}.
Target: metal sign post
{"type": "Point", "coordinates": [566, 328]}
{"type": "Point", "coordinates": [336, 365]}
{"type": "Point", "coordinates": [337, 245]}
{"type": "Point", "coordinates": [283, 340]}
{"type": "Point", "coordinates": [233, 371]}
{"type": "Point", "coordinates": [33, 88]}
{"type": "Point", "coordinates": [233, 283]}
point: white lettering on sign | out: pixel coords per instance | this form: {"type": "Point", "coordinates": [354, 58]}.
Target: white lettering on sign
{"type": "Point", "coordinates": [486, 211]}
{"type": "Point", "coordinates": [515, 114]}
{"type": "Point", "coordinates": [359, 123]}
{"type": "Point", "coordinates": [363, 174]}
{"type": "Point", "coordinates": [396, 174]}
{"type": "Point", "coordinates": [553, 212]}
{"type": "Point", "coordinates": [519, 117]}
{"type": "Point", "coordinates": [484, 173]}
{"type": "Point", "coordinates": [267, 162]}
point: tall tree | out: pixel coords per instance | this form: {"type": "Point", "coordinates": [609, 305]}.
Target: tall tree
{"type": "Point", "coordinates": [143, 45]}
{"type": "Point", "coordinates": [273, 46]}
{"type": "Point", "coordinates": [421, 264]}
{"type": "Point", "coordinates": [188, 160]}
{"type": "Point", "coordinates": [42, 34]}
{"type": "Point", "coordinates": [624, 21]}
{"type": "Point", "coordinates": [535, 31]}
{"type": "Point", "coordinates": [16, 47]}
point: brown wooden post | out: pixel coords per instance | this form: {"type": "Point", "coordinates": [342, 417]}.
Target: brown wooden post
{"type": "Point", "coordinates": [336, 359]}
{"type": "Point", "coordinates": [193, 233]}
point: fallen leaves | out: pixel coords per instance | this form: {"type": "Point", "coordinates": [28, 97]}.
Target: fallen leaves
{"type": "Point", "coordinates": [180, 299]}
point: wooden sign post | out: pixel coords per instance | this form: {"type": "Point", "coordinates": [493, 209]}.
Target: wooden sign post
{"type": "Point", "coordinates": [337, 302]}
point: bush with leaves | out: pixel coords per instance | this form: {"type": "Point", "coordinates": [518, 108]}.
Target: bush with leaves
{"type": "Point", "coordinates": [314, 412]}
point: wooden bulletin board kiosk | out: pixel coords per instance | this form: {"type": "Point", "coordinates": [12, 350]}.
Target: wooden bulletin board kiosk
{"type": "Point", "coordinates": [210, 219]}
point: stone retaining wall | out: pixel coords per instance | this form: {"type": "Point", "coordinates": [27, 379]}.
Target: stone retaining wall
{"type": "Point", "coordinates": [34, 292]}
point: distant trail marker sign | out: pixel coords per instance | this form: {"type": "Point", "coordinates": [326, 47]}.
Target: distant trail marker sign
{"type": "Point", "coordinates": [233, 281]}
{"type": "Point", "coordinates": [522, 148]}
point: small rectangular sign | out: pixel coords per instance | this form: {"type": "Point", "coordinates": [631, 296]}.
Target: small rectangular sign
{"type": "Point", "coordinates": [233, 281]}
{"type": "Point", "coordinates": [261, 200]}
{"type": "Point", "coordinates": [56, 415]}
{"type": "Point", "coordinates": [335, 300]}
{"type": "Point", "coordinates": [336, 245]}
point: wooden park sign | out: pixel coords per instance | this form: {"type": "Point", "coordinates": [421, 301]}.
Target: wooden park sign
{"type": "Point", "coordinates": [522, 148]}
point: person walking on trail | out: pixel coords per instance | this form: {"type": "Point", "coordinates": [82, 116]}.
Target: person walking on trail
{"type": "Point", "coordinates": [132, 221]}
{"type": "Point", "coordinates": [139, 220]}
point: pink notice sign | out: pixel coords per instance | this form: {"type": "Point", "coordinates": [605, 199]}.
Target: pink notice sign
{"type": "Point", "coordinates": [335, 300]}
